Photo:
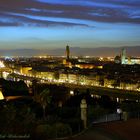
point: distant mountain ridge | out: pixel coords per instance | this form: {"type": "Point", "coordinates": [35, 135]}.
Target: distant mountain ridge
{"type": "Point", "coordinates": [75, 51]}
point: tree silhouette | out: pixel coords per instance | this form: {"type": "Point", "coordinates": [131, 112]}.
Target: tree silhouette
{"type": "Point", "coordinates": [45, 99]}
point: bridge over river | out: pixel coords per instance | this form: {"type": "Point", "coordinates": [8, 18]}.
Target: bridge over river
{"type": "Point", "coordinates": [113, 92]}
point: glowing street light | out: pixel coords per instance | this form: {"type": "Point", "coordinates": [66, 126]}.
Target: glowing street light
{"type": "Point", "coordinates": [71, 92]}
{"type": "Point", "coordinates": [92, 95]}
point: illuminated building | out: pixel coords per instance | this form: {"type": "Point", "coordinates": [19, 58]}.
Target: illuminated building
{"type": "Point", "coordinates": [41, 73]}
{"type": "Point", "coordinates": [25, 70]}
{"type": "Point", "coordinates": [63, 77]}
{"type": "Point", "coordinates": [128, 60]}
{"type": "Point", "coordinates": [135, 61]}
{"type": "Point", "coordinates": [128, 86]}
{"type": "Point", "coordinates": [1, 96]}
{"type": "Point", "coordinates": [72, 78]}
{"type": "Point", "coordinates": [1, 64]}
{"type": "Point", "coordinates": [87, 66]}
{"type": "Point", "coordinates": [79, 63]}
{"type": "Point", "coordinates": [84, 66]}
{"type": "Point", "coordinates": [4, 71]}
{"type": "Point", "coordinates": [91, 80]}
{"type": "Point", "coordinates": [109, 82]}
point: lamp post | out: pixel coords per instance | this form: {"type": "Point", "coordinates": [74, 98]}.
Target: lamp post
{"type": "Point", "coordinates": [119, 111]}
{"type": "Point", "coordinates": [83, 107]}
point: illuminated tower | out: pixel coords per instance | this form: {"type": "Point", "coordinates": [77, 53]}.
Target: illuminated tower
{"type": "Point", "coordinates": [67, 52]}
{"type": "Point", "coordinates": [123, 56]}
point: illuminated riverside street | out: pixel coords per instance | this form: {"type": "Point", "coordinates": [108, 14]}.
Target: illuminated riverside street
{"type": "Point", "coordinates": [99, 90]}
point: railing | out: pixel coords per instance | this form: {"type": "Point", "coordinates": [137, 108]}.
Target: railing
{"type": "Point", "coordinates": [107, 118]}
{"type": "Point", "coordinates": [116, 117]}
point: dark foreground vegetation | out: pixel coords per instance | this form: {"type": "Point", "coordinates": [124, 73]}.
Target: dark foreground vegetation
{"type": "Point", "coordinates": [51, 112]}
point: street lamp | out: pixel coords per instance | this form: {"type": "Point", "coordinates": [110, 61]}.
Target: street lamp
{"type": "Point", "coordinates": [71, 92]}
{"type": "Point", "coordinates": [92, 95]}
{"type": "Point", "coordinates": [119, 111]}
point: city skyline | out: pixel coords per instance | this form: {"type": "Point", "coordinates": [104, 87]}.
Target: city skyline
{"type": "Point", "coordinates": [45, 24]}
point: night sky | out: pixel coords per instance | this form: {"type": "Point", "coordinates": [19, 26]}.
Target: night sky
{"type": "Point", "coordinates": [79, 23]}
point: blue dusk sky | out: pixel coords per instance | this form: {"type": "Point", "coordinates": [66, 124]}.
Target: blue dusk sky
{"type": "Point", "coordinates": [38, 24]}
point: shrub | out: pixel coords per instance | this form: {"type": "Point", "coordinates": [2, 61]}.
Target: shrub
{"type": "Point", "coordinates": [62, 130]}
{"type": "Point", "coordinates": [44, 131]}
{"type": "Point", "coordinates": [58, 130]}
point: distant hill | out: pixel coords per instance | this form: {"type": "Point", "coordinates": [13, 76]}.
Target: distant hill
{"type": "Point", "coordinates": [101, 51]}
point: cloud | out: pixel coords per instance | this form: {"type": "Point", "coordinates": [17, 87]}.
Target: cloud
{"type": "Point", "coordinates": [36, 12]}
{"type": "Point", "coordinates": [15, 19]}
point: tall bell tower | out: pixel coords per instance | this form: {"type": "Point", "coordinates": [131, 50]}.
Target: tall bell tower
{"type": "Point", "coordinates": [67, 52]}
{"type": "Point", "coordinates": [123, 56]}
